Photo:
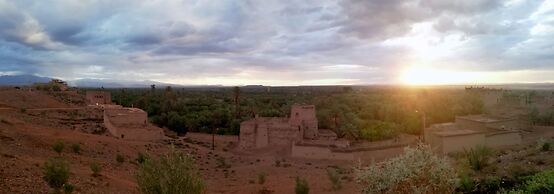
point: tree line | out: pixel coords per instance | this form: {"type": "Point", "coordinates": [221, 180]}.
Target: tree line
{"type": "Point", "coordinates": [361, 114]}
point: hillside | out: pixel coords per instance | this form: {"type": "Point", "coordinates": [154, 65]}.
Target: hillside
{"type": "Point", "coordinates": [27, 137]}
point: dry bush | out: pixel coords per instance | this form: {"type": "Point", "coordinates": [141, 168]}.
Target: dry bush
{"type": "Point", "coordinates": [95, 168]}
{"type": "Point", "coordinates": [119, 158]}
{"type": "Point", "coordinates": [544, 145]}
{"type": "Point", "coordinates": [56, 173]}
{"type": "Point", "coordinates": [58, 146]}
{"type": "Point", "coordinates": [418, 170]}
{"type": "Point", "coordinates": [478, 158]}
{"type": "Point", "coordinates": [334, 177]}
{"type": "Point", "coordinates": [302, 186]}
{"type": "Point", "coordinates": [76, 147]}
{"type": "Point", "coordinates": [174, 172]}
{"type": "Point", "coordinates": [261, 178]}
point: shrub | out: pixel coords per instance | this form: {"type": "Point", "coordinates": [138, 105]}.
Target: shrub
{"type": "Point", "coordinates": [544, 145]}
{"type": "Point", "coordinates": [541, 183]}
{"type": "Point", "coordinates": [334, 177]}
{"type": "Point", "coordinates": [68, 188]}
{"type": "Point", "coordinates": [141, 158]}
{"type": "Point", "coordinates": [56, 88]}
{"type": "Point", "coordinates": [174, 172]}
{"type": "Point", "coordinates": [302, 186]}
{"type": "Point", "coordinates": [261, 178]}
{"type": "Point", "coordinates": [517, 171]}
{"type": "Point", "coordinates": [466, 184]}
{"type": "Point", "coordinates": [478, 158]}
{"type": "Point", "coordinates": [418, 170]}
{"type": "Point", "coordinates": [58, 146]}
{"type": "Point", "coordinates": [490, 184]}
{"type": "Point", "coordinates": [95, 168]}
{"type": "Point", "coordinates": [76, 148]}
{"type": "Point", "coordinates": [56, 173]}
{"type": "Point", "coordinates": [120, 158]}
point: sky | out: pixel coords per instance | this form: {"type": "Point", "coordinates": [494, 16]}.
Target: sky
{"type": "Point", "coordinates": [294, 42]}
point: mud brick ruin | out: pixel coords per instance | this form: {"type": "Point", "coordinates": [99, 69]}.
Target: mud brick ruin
{"type": "Point", "coordinates": [122, 122]}
{"type": "Point", "coordinates": [265, 131]}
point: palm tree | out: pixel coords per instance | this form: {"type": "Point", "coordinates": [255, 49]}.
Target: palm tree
{"type": "Point", "coordinates": [236, 91]}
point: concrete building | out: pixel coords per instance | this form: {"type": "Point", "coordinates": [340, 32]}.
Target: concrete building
{"type": "Point", "coordinates": [98, 97]}
{"type": "Point", "coordinates": [264, 131]}
{"type": "Point", "coordinates": [130, 124]}
{"type": "Point", "coordinates": [471, 131]}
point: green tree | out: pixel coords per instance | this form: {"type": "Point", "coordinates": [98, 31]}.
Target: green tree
{"type": "Point", "coordinates": [236, 94]}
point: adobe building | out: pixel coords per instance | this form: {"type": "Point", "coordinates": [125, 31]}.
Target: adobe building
{"type": "Point", "coordinates": [98, 97]}
{"type": "Point", "coordinates": [130, 124]}
{"type": "Point", "coordinates": [264, 131]}
{"type": "Point", "coordinates": [121, 122]}
{"type": "Point", "coordinates": [471, 131]}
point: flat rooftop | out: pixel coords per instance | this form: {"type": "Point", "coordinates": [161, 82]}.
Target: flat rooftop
{"type": "Point", "coordinates": [483, 118]}
{"type": "Point", "coordinates": [132, 110]}
{"type": "Point", "coordinates": [456, 132]}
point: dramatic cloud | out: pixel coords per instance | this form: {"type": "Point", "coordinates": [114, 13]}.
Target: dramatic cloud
{"type": "Point", "coordinates": [277, 42]}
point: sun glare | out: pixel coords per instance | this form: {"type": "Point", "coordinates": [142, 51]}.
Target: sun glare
{"type": "Point", "coordinates": [431, 76]}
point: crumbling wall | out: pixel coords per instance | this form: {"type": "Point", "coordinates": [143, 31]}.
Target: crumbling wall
{"type": "Point", "coordinates": [305, 117]}
{"type": "Point", "coordinates": [99, 97]}
{"type": "Point", "coordinates": [505, 125]}
{"type": "Point", "coordinates": [127, 116]}
{"type": "Point", "coordinates": [471, 124]}
{"type": "Point", "coordinates": [130, 126]}
{"type": "Point", "coordinates": [316, 152]}
{"type": "Point", "coordinates": [503, 138]}
{"type": "Point", "coordinates": [111, 128]}
{"type": "Point", "coordinates": [261, 132]}
{"type": "Point", "coordinates": [247, 135]}
{"type": "Point", "coordinates": [148, 133]}
{"type": "Point", "coordinates": [282, 134]}
{"type": "Point", "coordinates": [458, 143]}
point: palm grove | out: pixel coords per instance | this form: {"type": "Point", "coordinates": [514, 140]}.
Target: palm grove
{"type": "Point", "coordinates": [369, 114]}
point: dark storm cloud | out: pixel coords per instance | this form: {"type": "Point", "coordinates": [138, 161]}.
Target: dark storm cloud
{"type": "Point", "coordinates": [253, 40]}
{"type": "Point", "coordinates": [386, 19]}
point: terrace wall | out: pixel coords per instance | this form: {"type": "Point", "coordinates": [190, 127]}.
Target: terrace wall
{"type": "Point", "coordinates": [505, 138]}
{"type": "Point", "coordinates": [130, 130]}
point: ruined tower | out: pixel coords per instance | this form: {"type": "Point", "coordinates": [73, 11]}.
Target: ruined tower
{"type": "Point", "coordinates": [303, 117]}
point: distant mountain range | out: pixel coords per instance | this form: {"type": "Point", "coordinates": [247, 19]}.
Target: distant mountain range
{"type": "Point", "coordinates": [26, 80]}
{"type": "Point", "coordinates": [22, 80]}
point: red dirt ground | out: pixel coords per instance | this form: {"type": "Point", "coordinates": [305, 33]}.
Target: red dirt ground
{"type": "Point", "coordinates": [26, 145]}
